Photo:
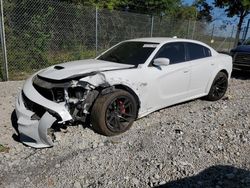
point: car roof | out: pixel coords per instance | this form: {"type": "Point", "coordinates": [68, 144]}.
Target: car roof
{"type": "Point", "coordinates": [164, 40]}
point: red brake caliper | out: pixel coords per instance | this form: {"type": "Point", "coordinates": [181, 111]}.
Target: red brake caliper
{"type": "Point", "coordinates": [122, 107]}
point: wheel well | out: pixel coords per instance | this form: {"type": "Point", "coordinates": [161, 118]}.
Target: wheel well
{"type": "Point", "coordinates": [224, 71]}
{"type": "Point", "coordinates": [126, 88]}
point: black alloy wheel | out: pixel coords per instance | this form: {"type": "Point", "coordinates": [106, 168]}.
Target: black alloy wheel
{"type": "Point", "coordinates": [219, 87]}
{"type": "Point", "coordinates": [120, 113]}
{"type": "Point", "coordinates": [114, 113]}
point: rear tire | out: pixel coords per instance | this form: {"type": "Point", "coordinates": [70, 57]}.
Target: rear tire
{"type": "Point", "coordinates": [219, 87]}
{"type": "Point", "coordinates": [113, 113]}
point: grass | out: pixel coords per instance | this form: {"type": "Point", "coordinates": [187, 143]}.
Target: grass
{"type": "Point", "coordinates": [20, 75]}
{"type": "Point", "coordinates": [22, 70]}
{"type": "Point", "coordinates": [4, 149]}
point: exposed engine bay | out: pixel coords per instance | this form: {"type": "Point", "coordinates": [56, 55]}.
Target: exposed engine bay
{"type": "Point", "coordinates": [77, 96]}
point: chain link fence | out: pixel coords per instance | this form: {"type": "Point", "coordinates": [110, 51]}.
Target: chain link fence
{"type": "Point", "coordinates": [42, 33]}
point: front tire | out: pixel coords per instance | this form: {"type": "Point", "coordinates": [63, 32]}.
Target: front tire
{"type": "Point", "coordinates": [113, 113]}
{"type": "Point", "coordinates": [219, 87]}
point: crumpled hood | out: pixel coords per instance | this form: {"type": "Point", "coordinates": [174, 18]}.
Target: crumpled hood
{"type": "Point", "coordinates": [81, 67]}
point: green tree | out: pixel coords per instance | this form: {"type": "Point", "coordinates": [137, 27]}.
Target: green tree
{"type": "Point", "coordinates": [235, 8]}
{"type": "Point", "coordinates": [204, 10]}
{"type": "Point", "coordinates": [186, 12]}
{"type": "Point", "coordinates": [110, 4]}
{"type": "Point", "coordinates": [156, 7]}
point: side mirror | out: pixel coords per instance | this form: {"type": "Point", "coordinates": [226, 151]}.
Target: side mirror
{"type": "Point", "coordinates": [161, 62]}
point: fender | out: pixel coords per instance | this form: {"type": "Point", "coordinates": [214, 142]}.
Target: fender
{"type": "Point", "coordinates": [215, 72]}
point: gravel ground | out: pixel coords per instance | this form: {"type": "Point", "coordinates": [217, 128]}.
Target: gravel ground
{"type": "Point", "coordinates": [194, 144]}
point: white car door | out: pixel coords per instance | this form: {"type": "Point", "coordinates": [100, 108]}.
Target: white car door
{"type": "Point", "coordinates": [169, 84]}
{"type": "Point", "coordinates": [202, 66]}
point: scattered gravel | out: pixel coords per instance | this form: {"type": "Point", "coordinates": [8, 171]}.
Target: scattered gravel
{"type": "Point", "coordinates": [194, 144]}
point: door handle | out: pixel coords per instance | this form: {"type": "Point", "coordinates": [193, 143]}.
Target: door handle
{"type": "Point", "coordinates": [212, 64]}
{"type": "Point", "coordinates": [186, 71]}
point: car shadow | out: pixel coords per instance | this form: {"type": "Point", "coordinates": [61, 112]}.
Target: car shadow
{"type": "Point", "coordinates": [241, 74]}
{"type": "Point", "coordinates": [14, 124]}
{"type": "Point", "coordinates": [214, 176]}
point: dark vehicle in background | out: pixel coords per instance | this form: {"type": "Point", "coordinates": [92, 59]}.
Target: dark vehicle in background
{"type": "Point", "coordinates": [241, 56]}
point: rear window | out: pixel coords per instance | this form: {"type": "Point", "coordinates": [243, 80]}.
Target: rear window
{"type": "Point", "coordinates": [197, 51]}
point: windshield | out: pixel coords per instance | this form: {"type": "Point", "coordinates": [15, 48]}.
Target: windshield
{"type": "Point", "coordinates": [131, 53]}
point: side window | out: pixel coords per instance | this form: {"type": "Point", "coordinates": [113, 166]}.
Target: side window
{"type": "Point", "coordinates": [175, 52]}
{"type": "Point", "coordinates": [197, 51]}
{"type": "Point", "coordinates": [207, 52]}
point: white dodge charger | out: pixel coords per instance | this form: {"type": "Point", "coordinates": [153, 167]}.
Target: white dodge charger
{"type": "Point", "coordinates": [126, 82]}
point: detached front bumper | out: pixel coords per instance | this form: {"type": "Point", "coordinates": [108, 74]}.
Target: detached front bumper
{"type": "Point", "coordinates": [33, 131]}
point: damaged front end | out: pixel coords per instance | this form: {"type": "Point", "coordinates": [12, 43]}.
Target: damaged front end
{"type": "Point", "coordinates": [45, 104]}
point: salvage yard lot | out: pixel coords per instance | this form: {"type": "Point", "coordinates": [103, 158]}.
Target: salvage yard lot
{"type": "Point", "coordinates": [209, 142]}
